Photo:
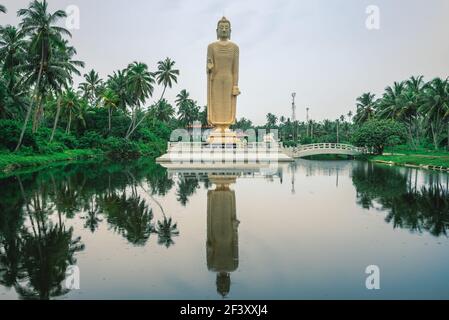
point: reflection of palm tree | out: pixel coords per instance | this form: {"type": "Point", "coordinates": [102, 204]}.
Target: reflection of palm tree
{"type": "Point", "coordinates": [166, 230]}
{"type": "Point", "coordinates": [130, 216]}
{"type": "Point", "coordinates": [92, 220]}
{"type": "Point", "coordinates": [421, 210]}
{"type": "Point", "coordinates": [186, 188]}
{"type": "Point", "coordinates": [11, 220]}
{"type": "Point", "coordinates": [46, 255]}
{"type": "Point", "coordinates": [434, 205]}
{"type": "Point", "coordinates": [46, 251]}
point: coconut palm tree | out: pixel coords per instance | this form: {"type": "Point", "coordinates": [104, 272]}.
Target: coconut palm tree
{"type": "Point", "coordinates": [110, 101]}
{"type": "Point", "coordinates": [436, 108]}
{"type": "Point", "coordinates": [140, 86]}
{"type": "Point", "coordinates": [91, 87]}
{"type": "Point", "coordinates": [2, 8]}
{"type": "Point", "coordinates": [392, 103]}
{"type": "Point", "coordinates": [366, 106]}
{"type": "Point", "coordinates": [118, 83]}
{"type": "Point", "coordinates": [70, 103]}
{"type": "Point", "coordinates": [12, 52]}
{"type": "Point", "coordinates": [163, 111]}
{"type": "Point", "coordinates": [188, 111]}
{"type": "Point", "coordinates": [166, 75]}
{"type": "Point", "coordinates": [44, 34]}
{"type": "Point", "coordinates": [271, 120]}
{"type": "Point", "coordinates": [61, 69]}
{"type": "Point", "coordinates": [412, 96]}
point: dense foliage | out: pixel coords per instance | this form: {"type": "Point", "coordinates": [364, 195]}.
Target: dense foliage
{"type": "Point", "coordinates": [43, 111]}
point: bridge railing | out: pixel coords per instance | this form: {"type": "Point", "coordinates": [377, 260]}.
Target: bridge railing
{"type": "Point", "coordinates": [335, 146]}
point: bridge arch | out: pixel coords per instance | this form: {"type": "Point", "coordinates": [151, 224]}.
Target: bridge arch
{"type": "Point", "coordinates": [324, 148]}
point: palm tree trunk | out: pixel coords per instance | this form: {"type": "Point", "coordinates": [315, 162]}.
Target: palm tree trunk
{"type": "Point", "coordinates": [30, 107]}
{"type": "Point", "coordinates": [145, 115]}
{"type": "Point", "coordinates": [131, 124]}
{"type": "Point", "coordinates": [70, 121]}
{"type": "Point", "coordinates": [434, 136]}
{"type": "Point", "coordinates": [110, 115]}
{"type": "Point", "coordinates": [448, 135]}
{"type": "Point", "coordinates": [55, 124]}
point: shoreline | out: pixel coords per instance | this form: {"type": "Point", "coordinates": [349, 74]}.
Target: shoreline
{"type": "Point", "coordinates": [11, 163]}
{"type": "Point", "coordinates": [434, 163]}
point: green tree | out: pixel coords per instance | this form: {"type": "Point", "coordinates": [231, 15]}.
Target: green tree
{"type": "Point", "coordinates": [271, 120]}
{"type": "Point", "coordinates": [110, 101]}
{"type": "Point", "coordinates": [70, 102]}
{"type": "Point", "coordinates": [2, 8]}
{"type": "Point", "coordinates": [378, 134]}
{"type": "Point", "coordinates": [92, 87]}
{"type": "Point", "coordinates": [140, 86]}
{"type": "Point", "coordinates": [44, 32]}
{"type": "Point", "coordinates": [163, 111]}
{"type": "Point", "coordinates": [12, 52]}
{"type": "Point", "coordinates": [166, 75]}
{"type": "Point", "coordinates": [436, 108]}
{"type": "Point", "coordinates": [366, 106]}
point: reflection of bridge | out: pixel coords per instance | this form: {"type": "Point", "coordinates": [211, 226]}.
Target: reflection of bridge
{"type": "Point", "coordinates": [324, 148]}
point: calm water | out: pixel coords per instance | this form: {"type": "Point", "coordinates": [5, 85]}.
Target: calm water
{"type": "Point", "coordinates": [307, 230]}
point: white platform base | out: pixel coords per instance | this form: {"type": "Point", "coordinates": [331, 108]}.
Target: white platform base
{"type": "Point", "coordinates": [201, 155]}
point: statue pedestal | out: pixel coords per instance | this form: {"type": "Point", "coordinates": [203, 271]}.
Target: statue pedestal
{"type": "Point", "coordinates": [226, 137]}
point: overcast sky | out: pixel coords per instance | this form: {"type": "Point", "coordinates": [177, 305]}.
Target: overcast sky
{"type": "Point", "coordinates": [320, 49]}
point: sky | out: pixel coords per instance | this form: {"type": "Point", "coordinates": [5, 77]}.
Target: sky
{"type": "Point", "coordinates": [322, 49]}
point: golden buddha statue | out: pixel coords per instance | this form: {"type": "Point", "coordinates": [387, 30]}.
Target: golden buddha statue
{"type": "Point", "coordinates": [222, 84]}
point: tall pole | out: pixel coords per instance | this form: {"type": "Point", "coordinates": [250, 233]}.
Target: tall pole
{"type": "Point", "coordinates": [338, 123]}
{"type": "Point", "coordinates": [307, 120]}
{"type": "Point", "coordinates": [295, 125]}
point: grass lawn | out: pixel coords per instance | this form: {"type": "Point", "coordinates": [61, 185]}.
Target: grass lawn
{"type": "Point", "coordinates": [11, 161]}
{"type": "Point", "coordinates": [404, 155]}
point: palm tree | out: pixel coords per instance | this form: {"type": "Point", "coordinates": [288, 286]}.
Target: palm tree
{"type": "Point", "coordinates": [182, 97]}
{"type": "Point", "coordinates": [110, 101]}
{"type": "Point", "coordinates": [91, 87]}
{"type": "Point", "coordinates": [166, 75]}
{"type": "Point", "coordinates": [60, 73]}
{"type": "Point", "coordinates": [436, 107]}
{"type": "Point", "coordinates": [163, 111]}
{"type": "Point", "coordinates": [140, 86]}
{"type": "Point", "coordinates": [392, 103]}
{"type": "Point", "coordinates": [271, 120]}
{"type": "Point", "coordinates": [118, 83]}
{"type": "Point", "coordinates": [2, 8]}
{"type": "Point", "coordinates": [188, 111]}
{"type": "Point", "coordinates": [41, 26]}
{"type": "Point", "coordinates": [12, 52]}
{"type": "Point", "coordinates": [70, 103]}
{"type": "Point", "coordinates": [366, 106]}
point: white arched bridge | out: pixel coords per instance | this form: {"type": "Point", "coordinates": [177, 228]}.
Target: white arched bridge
{"type": "Point", "coordinates": [324, 148]}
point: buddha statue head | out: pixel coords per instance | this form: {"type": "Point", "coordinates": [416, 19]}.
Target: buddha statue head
{"type": "Point", "coordinates": [224, 29]}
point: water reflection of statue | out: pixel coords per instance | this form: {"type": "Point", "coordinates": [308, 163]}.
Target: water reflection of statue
{"type": "Point", "coordinates": [222, 232]}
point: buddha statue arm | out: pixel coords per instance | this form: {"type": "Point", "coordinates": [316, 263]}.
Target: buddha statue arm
{"type": "Point", "coordinates": [235, 72]}
{"type": "Point", "coordinates": [210, 59]}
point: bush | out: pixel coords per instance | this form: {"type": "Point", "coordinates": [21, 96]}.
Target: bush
{"type": "Point", "coordinates": [91, 139]}
{"type": "Point", "coordinates": [10, 132]}
{"type": "Point", "coordinates": [49, 148]}
{"type": "Point", "coordinates": [121, 149]}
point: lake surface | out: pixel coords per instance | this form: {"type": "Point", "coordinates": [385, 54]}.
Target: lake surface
{"type": "Point", "coordinates": [307, 230]}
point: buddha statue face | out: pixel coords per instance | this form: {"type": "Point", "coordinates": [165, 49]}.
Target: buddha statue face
{"type": "Point", "coordinates": [224, 29]}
